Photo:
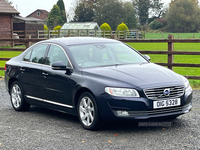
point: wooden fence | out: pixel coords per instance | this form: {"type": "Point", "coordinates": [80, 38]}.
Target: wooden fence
{"type": "Point", "coordinates": [170, 53]}
{"type": "Point", "coordinates": [129, 34]}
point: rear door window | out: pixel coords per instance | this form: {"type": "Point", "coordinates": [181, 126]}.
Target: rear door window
{"type": "Point", "coordinates": [38, 53]}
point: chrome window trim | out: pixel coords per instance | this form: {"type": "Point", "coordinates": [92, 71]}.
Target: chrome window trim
{"type": "Point", "coordinates": [47, 101]}
{"type": "Point", "coordinates": [64, 52]}
{"type": "Point", "coordinates": [47, 53]}
{"type": "Point", "coordinates": [42, 65]}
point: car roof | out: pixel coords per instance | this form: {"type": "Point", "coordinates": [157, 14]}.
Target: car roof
{"type": "Point", "coordinates": [80, 40]}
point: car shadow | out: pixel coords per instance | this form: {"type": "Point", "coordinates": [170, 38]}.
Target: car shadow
{"type": "Point", "coordinates": [49, 113]}
{"type": "Point", "coordinates": [112, 126]}
{"type": "Point", "coordinates": [146, 125]}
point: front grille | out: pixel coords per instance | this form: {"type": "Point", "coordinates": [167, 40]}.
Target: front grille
{"type": "Point", "coordinates": [164, 92]}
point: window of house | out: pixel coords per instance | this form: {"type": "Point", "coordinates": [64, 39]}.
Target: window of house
{"type": "Point", "coordinates": [38, 13]}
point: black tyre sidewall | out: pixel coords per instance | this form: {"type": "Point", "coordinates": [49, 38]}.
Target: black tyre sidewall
{"type": "Point", "coordinates": [96, 123]}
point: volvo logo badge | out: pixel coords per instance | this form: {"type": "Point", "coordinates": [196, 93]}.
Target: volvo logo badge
{"type": "Point", "coordinates": [166, 92]}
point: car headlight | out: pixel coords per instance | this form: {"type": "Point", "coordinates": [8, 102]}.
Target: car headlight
{"type": "Point", "coordinates": [187, 86]}
{"type": "Point", "coordinates": [122, 92]}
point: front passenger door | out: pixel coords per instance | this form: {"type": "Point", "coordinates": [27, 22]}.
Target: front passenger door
{"type": "Point", "coordinates": [57, 83]}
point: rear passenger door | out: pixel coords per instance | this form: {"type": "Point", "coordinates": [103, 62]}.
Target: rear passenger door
{"type": "Point", "coordinates": [30, 72]}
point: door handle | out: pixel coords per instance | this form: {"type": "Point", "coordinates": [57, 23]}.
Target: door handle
{"type": "Point", "coordinates": [45, 74]}
{"type": "Point", "coordinates": [22, 69]}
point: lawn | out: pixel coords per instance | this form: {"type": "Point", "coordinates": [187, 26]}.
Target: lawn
{"type": "Point", "coordinates": [154, 57]}
{"type": "Point", "coordinates": [176, 35]}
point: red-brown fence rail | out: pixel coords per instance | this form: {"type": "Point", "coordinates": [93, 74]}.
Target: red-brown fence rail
{"type": "Point", "coordinates": [170, 51]}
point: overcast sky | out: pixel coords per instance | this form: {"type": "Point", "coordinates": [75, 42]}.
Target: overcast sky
{"type": "Point", "coordinates": [26, 7]}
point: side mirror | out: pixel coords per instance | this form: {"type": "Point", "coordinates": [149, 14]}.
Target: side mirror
{"type": "Point", "coordinates": [59, 65]}
{"type": "Point", "coordinates": [147, 57]}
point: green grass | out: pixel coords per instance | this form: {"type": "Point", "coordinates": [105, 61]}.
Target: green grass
{"type": "Point", "coordinates": [8, 54]}
{"type": "Point", "coordinates": [176, 35]}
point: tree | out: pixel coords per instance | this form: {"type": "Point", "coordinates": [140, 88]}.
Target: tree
{"type": "Point", "coordinates": [146, 7]}
{"type": "Point", "coordinates": [54, 17]}
{"type": "Point", "coordinates": [109, 11]}
{"type": "Point", "coordinates": [61, 5]}
{"type": "Point", "coordinates": [84, 12]}
{"type": "Point", "coordinates": [196, 2]}
{"type": "Point", "coordinates": [183, 16]}
{"type": "Point", "coordinates": [129, 17]}
{"type": "Point", "coordinates": [156, 25]}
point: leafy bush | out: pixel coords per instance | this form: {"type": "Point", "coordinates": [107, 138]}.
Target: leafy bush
{"type": "Point", "coordinates": [122, 27]}
{"type": "Point", "coordinates": [156, 25]}
{"type": "Point", "coordinates": [45, 27]}
{"type": "Point", "coordinates": [106, 28]}
{"type": "Point", "coordinates": [56, 29]}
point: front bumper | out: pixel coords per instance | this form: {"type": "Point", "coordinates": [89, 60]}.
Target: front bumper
{"type": "Point", "coordinates": [154, 113]}
{"type": "Point", "coordinates": [140, 108]}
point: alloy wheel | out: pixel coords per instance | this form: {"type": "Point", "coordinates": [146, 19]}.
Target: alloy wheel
{"type": "Point", "coordinates": [86, 111]}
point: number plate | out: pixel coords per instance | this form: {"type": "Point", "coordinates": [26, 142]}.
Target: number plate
{"type": "Point", "coordinates": [166, 103]}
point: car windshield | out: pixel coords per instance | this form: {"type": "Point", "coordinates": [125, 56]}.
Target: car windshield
{"type": "Point", "coordinates": [104, 54]}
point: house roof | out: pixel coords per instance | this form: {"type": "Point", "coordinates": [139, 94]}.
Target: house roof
{"type": "Point", "coordinates": [28, 19]}
{"type": "Point", "coordinates": [80, 25]}
{"type": "Point", "coordinates": [6, 8]}
{"type": "Point", "coordinates": [40, 10]}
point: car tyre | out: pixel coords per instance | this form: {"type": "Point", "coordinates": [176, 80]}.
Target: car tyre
{"type": "Point", "coordinates": [17, 97]}
{"type": "Point", "coordinates": [88, 112]}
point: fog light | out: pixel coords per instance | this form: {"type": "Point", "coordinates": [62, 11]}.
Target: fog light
{"type": "Point", "coordinates": [122, 113]}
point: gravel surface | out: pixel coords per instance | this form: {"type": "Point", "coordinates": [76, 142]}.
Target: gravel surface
{"type": "Point", "coordinates": [43, 129]}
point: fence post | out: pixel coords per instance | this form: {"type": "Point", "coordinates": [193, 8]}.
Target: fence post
{"type": "Point", "coordinates": [59, 35]}
{"type": "Point", "coordinates": [95, 33]}
{"type": "Point", "coordinates": [49, 34]}
{"type": "Point", "coordinates": [12, 43]}
{"type": "Point", "coordinates": [25, 34]}
{"type": "Point", "coordinates": [87, 32]}
{"type": "Point", "coordinates": [118, 34]}
{"type": "Point", "coordinates": [28, 43]}
{"type": "Point", "coordinates": [125, 34]}
{"type": "Point", "coordinates": [170, 48]}
{"type": "Point", "coordinates": [137, 35]}
{"type": "Point", "coordinates": [78, 33]}
{"type": "Point", "coordinates": [38, 34]}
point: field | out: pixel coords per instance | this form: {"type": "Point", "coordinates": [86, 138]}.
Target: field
{"type": "Point", "coordinates": [176, 35]}
{"type": "Point", "coordinates": [157, 58]}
